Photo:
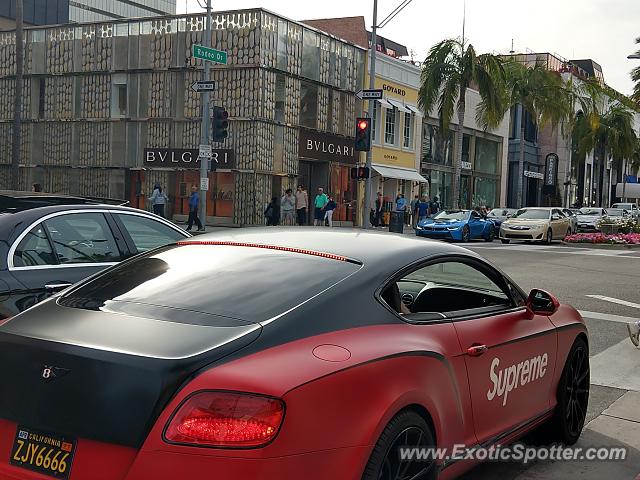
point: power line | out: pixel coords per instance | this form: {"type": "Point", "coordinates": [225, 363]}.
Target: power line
{"type": "Point", "coordinates": [395, 12]}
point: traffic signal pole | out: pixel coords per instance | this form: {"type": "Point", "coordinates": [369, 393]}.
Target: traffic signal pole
{"type": "Point", "coordinates": [204, 126]}
{"type": "Point", "coordinates": [366, 221]}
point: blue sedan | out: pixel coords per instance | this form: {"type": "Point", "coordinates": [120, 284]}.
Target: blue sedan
{"type": "Point", "coordinates": [457, 225]}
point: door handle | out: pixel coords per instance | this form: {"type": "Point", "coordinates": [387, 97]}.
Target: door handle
{"type": "Point", "coordinates": [57, 286]}
{"type": "Point", "coordinates": [476, 350]}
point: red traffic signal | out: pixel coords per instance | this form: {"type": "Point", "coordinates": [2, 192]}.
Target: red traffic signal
{"type": "Point", "coordinates": [363, 134]}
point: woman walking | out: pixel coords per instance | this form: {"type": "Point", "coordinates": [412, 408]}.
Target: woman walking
{"type": "Point", "coordinates": [158, 199]}
{"type": "Point", "coordinates": [328, 210]}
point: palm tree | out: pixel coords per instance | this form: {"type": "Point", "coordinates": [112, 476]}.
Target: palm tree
{"type": "Point", "coordinates": [635, 76]}
{"type": "Point", "coordinates": [543, 95]}
{"type": "Point", "coordinates": [612, 130]}
{"type": "Point", "coordinates": [451, 67]}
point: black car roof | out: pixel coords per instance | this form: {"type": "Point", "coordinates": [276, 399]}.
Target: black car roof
{"type": "Point", "coordinates": [8, 220]}
{"type": "Point", "coordinates": [388, 251]}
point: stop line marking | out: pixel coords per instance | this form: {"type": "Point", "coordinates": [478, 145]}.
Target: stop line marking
{"type": "Point", "coordinates": [606, 316]}
{"type": "Point", "coordinates": [615, 300]}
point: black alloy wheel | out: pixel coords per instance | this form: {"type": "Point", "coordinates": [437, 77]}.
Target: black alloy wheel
{"type": "Point", "coordinates": [491, 235]}
{"type": "Point", "coordinates": [466, 234]}
{"type": "Point", "coordinates": [408, 429]}
{"type": "Point", "coordinates": [549, 238]}
{"type": "Point", "coordinates": [505, 240]}
{"type": "Point", "coordinates": [568, 233]}
{"type": "Point", "coordinates": [573, 396]}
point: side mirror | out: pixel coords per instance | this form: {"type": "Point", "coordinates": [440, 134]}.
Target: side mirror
{"type": "Point", "coordinates": [542, 303]}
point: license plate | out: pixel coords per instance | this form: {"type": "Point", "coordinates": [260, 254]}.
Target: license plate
{"type": "Point", "coordinates": [43, 453]}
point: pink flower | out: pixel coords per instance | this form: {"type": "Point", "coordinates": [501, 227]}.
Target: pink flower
{"type": "Point", "coordinates": [617, 239]}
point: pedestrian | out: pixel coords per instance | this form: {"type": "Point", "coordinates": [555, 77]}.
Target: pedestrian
{"type": "Point", "coordinates": [634, 332]}
{"type": "Point", "coordinates": [434, 206]}
{"type": "Point", "coordinates": [414, 210]}
{"type": "Point", "coordinates": [288, 207]}
{"type": "Point", "coordinates": [158, 199]}
{"type": "Point", "coordinates": [401, 203]}
{"type": "Point", "coordinates": [423, 209]}
{"type": "Point", "coordinates": [377, 211]}
{"type": "Point", "coordinates": [328, 210]}
{"type": "Point", "coordinates": [302, 203]}
{"type": "Point", "coordinates": [194, 204]}
{"type": "Point", "coordinates": [272, 212]}
{"type": "Point", "coordinates": [319, 203]}
{"type": "Point", "coordinates": [36, 187]}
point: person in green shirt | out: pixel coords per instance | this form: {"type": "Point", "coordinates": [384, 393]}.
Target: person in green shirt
{"type": "Point", "coordinates": [319, 203]}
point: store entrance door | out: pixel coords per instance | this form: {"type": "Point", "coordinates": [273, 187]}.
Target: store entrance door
{"type": "Point", "coordinates": [313, 175]}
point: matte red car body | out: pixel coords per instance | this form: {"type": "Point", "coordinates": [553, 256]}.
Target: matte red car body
{"type": "Point", "coordinates": [337, 407]}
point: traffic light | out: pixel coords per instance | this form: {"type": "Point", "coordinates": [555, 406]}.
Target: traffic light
{"type": "Point", "coordinates": [219, 124]}
{"type": "Point", "coordinates": [363, 134]}
{"type": "Point", "coordinates": [359, 173]}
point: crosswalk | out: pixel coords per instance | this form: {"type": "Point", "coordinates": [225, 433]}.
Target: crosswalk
{"type": "Point", "coordinates": [560, 250]}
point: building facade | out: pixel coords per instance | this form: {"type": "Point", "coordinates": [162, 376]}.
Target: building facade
{"type": "Point", "coordinates": [484, 159]}
{"type": "Point", "coordinates": [108, 111]}
{"type": "Point", "coordinates": [53, 12]}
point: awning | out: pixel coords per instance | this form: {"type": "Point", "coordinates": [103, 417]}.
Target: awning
{"type": "Point", "coordinates": [384, 103]}
{"type": "Point", "coordinates": [399, 173]}
{"type": "Point", "coordinates": [398, 105]}
{"type": "Point", "coordinates": [415, 110]}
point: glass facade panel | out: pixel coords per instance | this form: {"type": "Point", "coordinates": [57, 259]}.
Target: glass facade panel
{"type": "Point", "coordinates": [280, 98]}
{"type": "Point", "coordinates": [282, 45]}
{"type": "Point", "coordinates": [485, 191]}
{"type": "Point", "coordinates": [308, 105]}
{"type": "Point", "coordinates": [310, 55]}
{"type": "Point", "coordinates": [437, 149]}
{"type": "Point", "coordinates": [486, 156]}
{"type": "Point", "coordinates": [441, 185]}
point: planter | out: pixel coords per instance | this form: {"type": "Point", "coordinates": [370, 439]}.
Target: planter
{"type": "Point", "coordinates": [609, 228]}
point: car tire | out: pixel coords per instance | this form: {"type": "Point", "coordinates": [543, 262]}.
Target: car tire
{"type": "Point", "coordinates": [573, 397]}
{"type": "Point", "coordinates": [505, 240]}
{"type": "Point", "coordinates": [466, 234]}
{"type": "Point", "coordinates": [568, 233]}
{"type": "Point", "coordinates": [549, 237]}
{"type": "Point", "coordinates": [407, 429]}
{"type": "Point", "coordinates": [491, 235]}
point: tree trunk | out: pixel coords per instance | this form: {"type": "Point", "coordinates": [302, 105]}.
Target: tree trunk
{"type": "Point", "coordinates": [519, 203]}
{"type": "Point", "coordinates": [17, 104]}
{"type": "Point", "coordinates": [457, 163]}
{"type": "Point", "coordinates": [624, 180]}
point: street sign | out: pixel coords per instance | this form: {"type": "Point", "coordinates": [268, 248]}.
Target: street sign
{"type": "Point", "coordinates": [203, 86]}
{"type": "Point", "coordinates": [204, 184]}
{"type": "Point", "coordinates": [205, 151]}
{"type": "Point", "coordinates": [209, 54]}
{"type": "Point", "coordinates": [536, 175]}
{"type": "Point", "coordinates": [369, 94]}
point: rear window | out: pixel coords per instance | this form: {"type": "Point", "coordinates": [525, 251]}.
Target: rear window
{"type": "Point", "coordinates": [247, 283]}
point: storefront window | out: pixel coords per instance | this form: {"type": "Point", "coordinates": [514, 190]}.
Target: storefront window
{"type": "Point", "coordinates": [344, 191]}
{"type": "Point", "coordinates": [282, 45]}
{"type": "Point", "coordinates": [440, 185]}
{"type": "Point", "coordinates": [390, 126]}
{"type": "Point", "coordinates": [486, 156]}
{"type": "Point", "coordinates": [436, 148]}
{"type": "Point", "coordinates": [408, 130]}
{"type": "Point", "coordinates": [310, 55]}
{"type": "Point", "coordinates": [466, 141]}
{"type": "Point", "coordinates": [308, 105]}
{"type": "Point", "coordinates": [485, 192]}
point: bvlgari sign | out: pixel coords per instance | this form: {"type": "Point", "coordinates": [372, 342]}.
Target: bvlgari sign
{"type": "Point", "coordinates": [186, 158]}
{"type": "Point", "coordinates": [327, 146]}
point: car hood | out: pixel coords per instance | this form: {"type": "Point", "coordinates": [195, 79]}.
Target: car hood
{"type": "Point", "coordinates": [522, 221]}
{"type": "Point", "coordinates": [448, 223]}
{"type": "Point", "coordinates": [588, 218]}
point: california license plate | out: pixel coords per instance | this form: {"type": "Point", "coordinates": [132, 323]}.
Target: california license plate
{"type": "Point", "coordinates": [43, 453]}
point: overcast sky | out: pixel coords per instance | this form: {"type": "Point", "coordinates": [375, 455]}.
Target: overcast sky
{"type": "Point", "coordinates": [603, 30]}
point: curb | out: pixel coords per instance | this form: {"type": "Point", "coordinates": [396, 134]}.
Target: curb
{"type": "Point", "coordinates": [604, 246]}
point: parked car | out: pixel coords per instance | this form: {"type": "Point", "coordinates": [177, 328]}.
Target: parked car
{"type": "Point", "coordinates": [188, 359]}
{"type": "Point", "coordinates": [632, 208]}
{"type": "Point", "coordinates": [457, 225]}
{"type": "Point", "coordinates": [589, 217]}
{"type": "Point", "coordinates": [538, 224]}
{"type": "Point", "coordinates": [573, 217]}
{"type": "Point", "coordinates": [46, 249]}
{"type": "Point", "coordinates": [499, 215]}
{"type": "Point", "coordinates": [617, 215]}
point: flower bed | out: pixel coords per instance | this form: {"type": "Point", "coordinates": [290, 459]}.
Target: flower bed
{"type": "Point", "coordinates": [599, 238]}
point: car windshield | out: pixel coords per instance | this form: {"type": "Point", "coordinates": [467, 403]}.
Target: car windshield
{"type": "Point", "coordinates": [531, 214]}
{"type": "Point", "coordinates": [452, 215]}
{"type": "Point", "coordinates": [590, 211]}
{"type": "Point", "coordinates": [497, 212]}
{"type": "Point", "coordinates": [616, 212]}
{"type": "Point", "coordinates": [624, 206]}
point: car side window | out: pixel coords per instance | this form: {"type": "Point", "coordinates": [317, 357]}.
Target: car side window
{"type": "Point", "coordinates": [82, 238]}
{"type": "Point", "coordinates": [34, 249]}
{"type": "Point", "coordinates": [147, 233]}
{"type": "Point", "coordinates": [450, 288]}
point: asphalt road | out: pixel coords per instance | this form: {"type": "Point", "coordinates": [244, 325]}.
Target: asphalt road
{"type": "Point", "coordinates": [604, 285]}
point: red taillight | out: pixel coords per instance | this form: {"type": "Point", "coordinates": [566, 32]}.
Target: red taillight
{"type": "Point", "coordinates": [226, 419]}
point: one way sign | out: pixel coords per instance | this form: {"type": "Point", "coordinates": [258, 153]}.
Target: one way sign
{"type": "Point", "coordinates": [369, 94]}
{"type": "Point", "coordinates": [203, 86]}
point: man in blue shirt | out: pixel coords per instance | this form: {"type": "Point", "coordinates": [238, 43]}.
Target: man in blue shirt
{"type": "Point", "coordinates": [194, 203]}
{"type": "Point", "coordinates": [423, 209]}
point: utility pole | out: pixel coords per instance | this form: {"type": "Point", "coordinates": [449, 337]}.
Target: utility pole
{"type": "Point", "coordinates": [17, 101]}
{"type": "Point", "coordinates": [366, 221]}
{"type": "Point", "coordinates": [206, 121]}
